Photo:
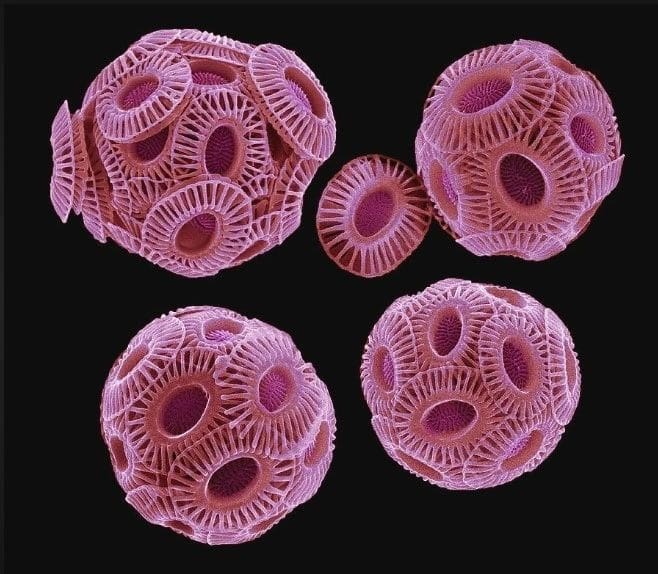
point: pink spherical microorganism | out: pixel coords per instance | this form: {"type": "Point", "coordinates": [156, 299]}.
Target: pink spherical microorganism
{"type": "Point", "coordinates": [193, 150]}
{"type": "Point", "coordinates": [518, 147]}
{"type": "Point", "coordinates": [469, 385]}
{"type": "Point", "coordinates": [216, 426]}
{"type": "Point", "coordinates": [372, 215]}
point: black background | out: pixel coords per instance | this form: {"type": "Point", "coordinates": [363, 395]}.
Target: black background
{"type": "Point", "coordinates": [74, 303]}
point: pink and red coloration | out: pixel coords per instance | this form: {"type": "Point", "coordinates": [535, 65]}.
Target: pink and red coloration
{"type": "Point", "coordinates": [372, 215]}
{"type": "Point", "coordinates": [518, 148]}
{"type": "Point", "coordinates": [216, 426]}
{"type": "Point", "coordinates": [469, 385]}
{"type": "Point", "coordinates": [193, 150]}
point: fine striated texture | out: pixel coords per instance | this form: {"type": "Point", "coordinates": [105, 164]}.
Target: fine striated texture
{"type": "Point", "coordinates": [216, 426]}
{"type": "Point", "coordinates": [295, 101]}
{"type": "Point", "coordinates": [469, 385]}
{"type": "Point", "coordinates": [70, 163]}
{"type": "Point", "coordinates": [517, 148]}
{"type": "Point", "coordinates": [372, 215]}
{"type": "Point", "coordinates": [187, 125]}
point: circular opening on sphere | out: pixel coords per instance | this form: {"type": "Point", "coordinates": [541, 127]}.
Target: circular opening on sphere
{"type": "Point", "coordinates": [383, 369]}
{"type": "Point", "coordinates": [523, 450]}
{"type": "Point", "coordinates": [180, 527]}
{"type": "Point", "coordinates": [221, 150]}
{"type": "Point", "coordinates": [446, 331]}
{"type": "Point", "coordinates": [274, 388]}
{"type": "Point", "coordinates": [587, 132]}
{"type": "Point", "coordinates": [563, 64]}
{"type": "Point", "coordinates": [183, 409]}
{"type": "Point", "coordinates": [517, 362]}
{"type": "Point", "coordinates": [508, 295]}
{"type": "Point", "coordinates": [306, 92]}
{"type": "Point", "coordinates": [209, 73]}
{"type": "Point", "coordinates": [218, 330]}
{"type": "Point", "coordinates": [118, 454]}
{"type": "Point", "coordinates": [571, 365]}
{"type": "Point", "coordinates": [150, 148]}
{"type": "Point", "coordinates": [197, 234]}
{"type": "Point", "coordinates": [374, 212]}
{"type": "Point", "coordinates": [233, 479]}
{"type": "Point", "coordinates": [419, 467]}
{"type": "Point", "coordinates": [136, 91]}
{"type": "Point", "coordinates": [483, 94]}
{"type": "Point", "coordinates": [444, 190]}
{"type": "Point", "coordinates": [254, 249]}
{"type": "Point", "coordinates": [316, 452]}
{"type": "Point", "coordinates": [521, 179]}
{"type": "Point", "coordinates": [450, 419]}
{"type": "Point", "coordinates": [133, 359]}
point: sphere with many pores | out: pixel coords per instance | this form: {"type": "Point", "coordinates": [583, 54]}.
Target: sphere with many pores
{"type": "Point", "coordinates": [216, 426]}
{"type": "Point", "coordinates": [193, 150]}
{"type": "Point", "coordinates": [518, 148]}
{"type": "Point", "coordinates": [469, 385]}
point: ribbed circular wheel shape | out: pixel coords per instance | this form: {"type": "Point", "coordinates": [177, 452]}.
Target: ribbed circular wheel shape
{"type": "Point", "coordinates": [296, 102]}
{"type": "Point", "coordinates": [517, 148]}
{"type": "Point", "coordinates": [469, 385]}
{"type": "Point", "coordinates": [216, 426]}
{"type": "Point", "coordinates": [372, 215]}
{"type": "Point", "coordinates": [136, 105]}
{"type": "Point", "coordinates": [180, 110]}
{"type": "Point", "coordinates": [69, 163]}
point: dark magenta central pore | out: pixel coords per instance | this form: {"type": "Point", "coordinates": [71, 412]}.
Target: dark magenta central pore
{"type": "Point", "coordinates": [449, 417]}
{"type": "Point", "coordinates": [584, 134]}
{"type": "Point", "coordinates": [137, 93]}
{"type": "Point", "coordinates": [233, 478]}
{"type": "Point", "coordinates": [447, 331]}
{"type": "Point", "coordinates": [207, 78]}
{"type": "Point", "coordinates": [374, 212]}
{"type": "Point", "coordinates": [151, 147]}
{"type": "Point", "coordinates": [220, 150]}
{"type": "Point", "coordinates": [274, 388]}
{"type": "Point", "coordinates": [183, 410]}
{"type": "Point", "coordinates": [196, 234]}
{"type": "Point", "coordinates": [521, 179]}
{"type": "Point", "coordinates": [516, 365]}
{"type": "Point", "coordinates": [483, 95]}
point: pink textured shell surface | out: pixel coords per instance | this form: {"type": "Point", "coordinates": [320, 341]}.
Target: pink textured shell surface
{"type": "Point", "coordinates": [296, 102]}
{"type": "Point", "coordinates": [216, 426]}
{"type": "Point", "coordinates": [193, 150]}
{"type": "Point", "coordinates": [518, 148]}
{"type": "Point", "coordinates": [469, 385]}
{"type": "Point", "coordinates": [372, 215]}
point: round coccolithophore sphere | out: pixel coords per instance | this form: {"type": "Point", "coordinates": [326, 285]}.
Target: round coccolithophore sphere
{"type": "Point", "coordinates": [193, 150]}
{"type": "Point", "coordinates": [372, 215]}
{"type": "Point", "coordinates": [216, 426]}
{"type": "Point", "coordinates": [469, 385]}
{"type": "Point", "coordinates": [518, 148]}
